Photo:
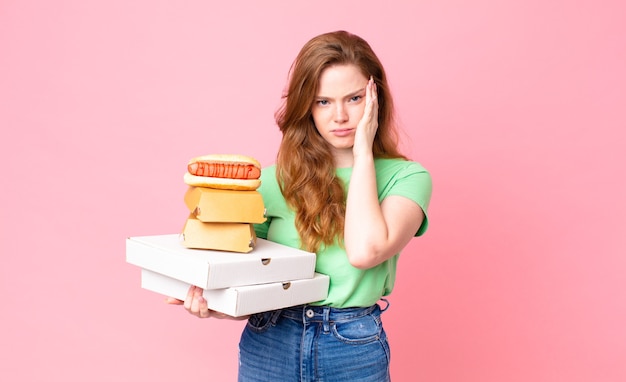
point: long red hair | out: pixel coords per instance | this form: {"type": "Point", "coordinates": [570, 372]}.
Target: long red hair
{"type": "Point", "coordinates": [305, 164]}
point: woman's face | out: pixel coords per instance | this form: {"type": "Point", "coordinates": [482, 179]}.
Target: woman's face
{"type": "Point", "coordinates": [339, 105]}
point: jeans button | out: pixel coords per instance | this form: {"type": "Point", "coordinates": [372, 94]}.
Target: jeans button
{"type": "Point", "coordinates": [310, 313]}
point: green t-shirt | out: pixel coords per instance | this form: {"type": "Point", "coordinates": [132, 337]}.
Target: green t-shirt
{"type": "Point", "coordinates": [349, 286]}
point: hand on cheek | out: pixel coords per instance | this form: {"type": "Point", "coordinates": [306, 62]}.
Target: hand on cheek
{"type": "Point", "coordinates": [368, 125]}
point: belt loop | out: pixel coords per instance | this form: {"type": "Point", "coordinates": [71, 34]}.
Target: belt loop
{"type": "Point", "coordinates": [326, 319]}
{"type": "Point", "coordinates": [386, 306]}
{"type": "Point", "coordinates": [275, 315]}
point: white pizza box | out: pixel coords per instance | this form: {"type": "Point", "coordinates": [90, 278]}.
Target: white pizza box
{"type": "Point", "coordinates": [244, 300]}
{"type": "Point", "coordinates": [213, 269]}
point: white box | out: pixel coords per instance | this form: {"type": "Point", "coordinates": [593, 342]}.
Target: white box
{"type": "Point", "coordinates": [210, 269]}
{"type": "Point", "coordinates": [244, 300]}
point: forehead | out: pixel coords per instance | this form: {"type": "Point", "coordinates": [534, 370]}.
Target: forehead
{"type": "Point", "coordinates": [338, 80]}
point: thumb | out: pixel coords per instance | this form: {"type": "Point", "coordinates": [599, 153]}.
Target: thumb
{"type": "Point", "coordinates": [173, 301]}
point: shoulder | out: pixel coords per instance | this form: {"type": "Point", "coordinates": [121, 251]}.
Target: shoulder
{"type": "Point", "coordinates": [405, 178]}
{"type": "Point", "coordinates": [397, 167]}
{"type": "Point", "coordinates": [408, 179]}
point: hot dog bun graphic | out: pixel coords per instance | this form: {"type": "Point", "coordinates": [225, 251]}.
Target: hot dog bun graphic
{"type": "Point", "coordinates": [224, 171]}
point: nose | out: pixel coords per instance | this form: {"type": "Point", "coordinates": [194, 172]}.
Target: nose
{"type": "Point", "coordinates": [340, 114]}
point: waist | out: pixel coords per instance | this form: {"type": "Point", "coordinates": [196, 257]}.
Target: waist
{"type": "Point", "coordinates": [312, 313]}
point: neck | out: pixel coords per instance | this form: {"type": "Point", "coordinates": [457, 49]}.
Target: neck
{"type": "Point", "coordinates": [343, 158]}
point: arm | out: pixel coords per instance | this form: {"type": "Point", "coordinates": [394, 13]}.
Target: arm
{"type": "Point", "coordinates": [374, 231]}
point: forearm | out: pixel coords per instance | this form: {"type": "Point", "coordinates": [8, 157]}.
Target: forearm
{"type": "Point", "coordinates": [365, 232]}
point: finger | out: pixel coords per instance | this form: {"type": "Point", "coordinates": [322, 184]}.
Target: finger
{"type": "Point", "coordinates": [197, 295]}
{"type": "Point", "coordinates": [189, 298]}
{"type": "Point", "coordinates": [374, 89]}
{"type": "Point", "coordinates": [368, 103]}
{"type": "Point", "coordinates": [203, 307]}
{"type": "Point", "coordinates": [374, 100]}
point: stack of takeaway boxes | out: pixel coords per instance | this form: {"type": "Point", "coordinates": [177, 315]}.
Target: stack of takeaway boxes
{"type": "Point", "coordinates": [218, 251]}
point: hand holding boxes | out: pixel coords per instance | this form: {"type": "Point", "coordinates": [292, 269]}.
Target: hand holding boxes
{"type": "Point", "coordinates": [272, 276]}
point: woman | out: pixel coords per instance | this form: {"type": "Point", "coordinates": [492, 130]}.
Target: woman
{"type": "Point", "coordinates": [339, 188]}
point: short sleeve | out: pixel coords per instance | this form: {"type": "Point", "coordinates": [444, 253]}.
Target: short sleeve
{"type": "Point", "coordinates": [411, 181]}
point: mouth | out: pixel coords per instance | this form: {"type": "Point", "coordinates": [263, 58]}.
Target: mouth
{"type": "Point", "coordinates": [342, 132]}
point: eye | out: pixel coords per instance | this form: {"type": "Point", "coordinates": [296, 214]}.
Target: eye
{"type": "Point", "coordinates": [322, 102]}
{"type": "Point", "coordinates": [356, 98]}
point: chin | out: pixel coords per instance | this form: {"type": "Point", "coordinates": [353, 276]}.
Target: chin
{"type": "Point", "coordinates": [343, 144]}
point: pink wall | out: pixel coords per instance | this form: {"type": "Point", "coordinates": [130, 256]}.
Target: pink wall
{"type": "Point", "coordinates": [516, 107]}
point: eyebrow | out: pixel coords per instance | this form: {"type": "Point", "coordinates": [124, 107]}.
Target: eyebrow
{"type": "Point", "coordinates": [349, 95]}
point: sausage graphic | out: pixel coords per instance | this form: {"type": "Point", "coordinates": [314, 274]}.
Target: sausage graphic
{"type": "Point", "coordinates": [224, 170]}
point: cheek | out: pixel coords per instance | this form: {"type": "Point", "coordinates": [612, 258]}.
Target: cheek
{"type": "Point", "coordinates": [357, 112]}
{"type": "Point", "coordinates": [319, 118]}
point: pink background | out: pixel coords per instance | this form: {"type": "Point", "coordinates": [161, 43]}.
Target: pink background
{"type": "Point", "coordinates": [516, 107]}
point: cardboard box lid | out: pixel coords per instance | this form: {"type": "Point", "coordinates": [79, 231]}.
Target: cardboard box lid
{"type": "Point", "coordinates": [235, 237]}
{"type": "Point", "coordinates": [244, 300]}
{"type": "Point", "coordinates": [210, 269]}
{"type": "Point", "coordinates": [226, 206]}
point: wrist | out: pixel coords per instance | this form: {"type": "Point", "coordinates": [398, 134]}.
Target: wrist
{"type": "Point", "coordinates": [363, 157]}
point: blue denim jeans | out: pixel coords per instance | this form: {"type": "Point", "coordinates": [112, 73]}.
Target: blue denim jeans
{"type": "Point", "coordinates": [315, 343]}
